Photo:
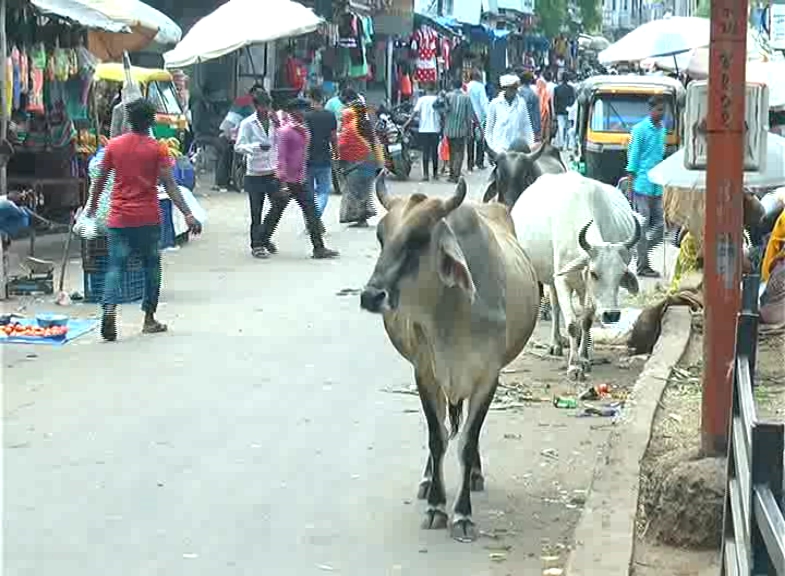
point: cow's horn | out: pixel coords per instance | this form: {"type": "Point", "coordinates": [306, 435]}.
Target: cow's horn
{"type": "Point", "coordinates": [534, 156]}
{"type": "Point", "coordinates": [582, 237]}
{"type": "Point", "coordinates": [635, 235]}
{"type": "Point", "coordinates": [456, 199]}
{"type": "Point", "coordinates": [381, 190]}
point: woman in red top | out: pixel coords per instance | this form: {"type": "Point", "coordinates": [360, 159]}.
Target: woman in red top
{"type": "Point", "coordinates": [138, 161]}
{"type": "Point", "coordinates": [361, 158]}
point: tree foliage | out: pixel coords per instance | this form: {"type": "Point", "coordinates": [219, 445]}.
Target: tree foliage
{"type": "Point", "coordinates": [704, 9]}
{"type": "Point", "coordinates": [591, 14]}
{"type": "Point", "coordinates": [552, 14]}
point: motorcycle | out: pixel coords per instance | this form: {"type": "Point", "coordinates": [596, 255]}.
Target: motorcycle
{"type": "Point", "coordinates": [397, 145]}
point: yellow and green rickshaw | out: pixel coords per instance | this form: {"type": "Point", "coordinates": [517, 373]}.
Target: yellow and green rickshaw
{"type": "Point", "coordinates": [609, 107]}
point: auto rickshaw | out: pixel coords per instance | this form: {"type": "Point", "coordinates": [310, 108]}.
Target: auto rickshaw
{"type": "Point", "coordinates": [609, 107]}
{"type": "Point", "coordinates": [156, 85]}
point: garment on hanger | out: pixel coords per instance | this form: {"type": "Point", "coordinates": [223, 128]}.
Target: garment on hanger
{"type": "Point", "coordinates": [17, 78]}
{"type": "Point", "coordinates": [425, 46]}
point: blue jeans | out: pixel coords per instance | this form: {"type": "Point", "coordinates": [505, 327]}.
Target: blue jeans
{"type": "Point", "coordinates": [318, 182]}
{"type": "Point", "coordinates": [142, 241]}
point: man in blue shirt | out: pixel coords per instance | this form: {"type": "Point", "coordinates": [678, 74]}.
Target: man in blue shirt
{"type": "Point", "coordinates": [526, 91]}
{"type": "Point", "coordinates": [645, 151]}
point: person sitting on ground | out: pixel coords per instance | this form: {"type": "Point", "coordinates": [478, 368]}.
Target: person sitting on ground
{"type": "Point", "coordinates": [134, 221]}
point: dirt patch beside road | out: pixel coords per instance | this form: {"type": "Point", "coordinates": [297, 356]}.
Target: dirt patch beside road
{"type": "Point", "coordinates": [680, 507]}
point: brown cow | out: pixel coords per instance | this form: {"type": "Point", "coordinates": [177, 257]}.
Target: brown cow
{"type": "Point", "coordinates": [459, 299]}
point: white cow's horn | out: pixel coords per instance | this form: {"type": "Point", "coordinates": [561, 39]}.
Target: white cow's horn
{"type": "Point", "coordinates": [635, 236]}
{"type": "Point", "coordinates": [582, 237]}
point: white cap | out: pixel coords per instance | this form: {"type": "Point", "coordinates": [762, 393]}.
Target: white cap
{"type": "Point", "coordinates": [508, 80]}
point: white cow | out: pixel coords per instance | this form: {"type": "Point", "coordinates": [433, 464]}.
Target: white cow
{"type": "Point", "coordinates": [579, 234]}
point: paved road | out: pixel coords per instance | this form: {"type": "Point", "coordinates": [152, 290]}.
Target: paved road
{"type": "Point", "coordinates": [254, 437]}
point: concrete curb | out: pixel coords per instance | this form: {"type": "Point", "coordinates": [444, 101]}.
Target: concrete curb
{"type": "Point", "coordinates": [605, 535]}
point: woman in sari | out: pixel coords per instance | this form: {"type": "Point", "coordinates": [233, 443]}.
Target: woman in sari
{"type": "Point", "coordinates": [360, 158]}
{"type": "Point", "coordinates": [546, 111]}
{"type": "Point", "coordinates": [772, 305]}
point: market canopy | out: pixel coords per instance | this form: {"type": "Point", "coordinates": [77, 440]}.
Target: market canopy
{"type": "Point", "coordinates": [671, 171]}
{"type": "Point", "coordinates": [241, 23]}
{"type": "Point", "coordinates": [665, 37]}
{"type": "Point", "coordinates": [137, 23]}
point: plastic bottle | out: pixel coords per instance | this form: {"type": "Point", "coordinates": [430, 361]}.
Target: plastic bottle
{"type": "Point", "coordinates": [565, 402]}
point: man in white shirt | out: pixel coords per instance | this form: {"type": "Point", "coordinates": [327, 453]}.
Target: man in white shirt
{"type": "Point", "coordinates": [426, 109]}
{"type": "Point", "coordinates": [508, 118]}
{"type": "Point", "coordinates": [256, 140]}
{"type": "Point", "coordinates": [476, 91]}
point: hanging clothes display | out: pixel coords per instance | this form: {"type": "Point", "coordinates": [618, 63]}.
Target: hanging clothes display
{"type": "Point", "coordinates": [425, 46]}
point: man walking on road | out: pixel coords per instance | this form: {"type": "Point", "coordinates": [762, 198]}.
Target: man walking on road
{"type": "Point", "coordinates": [563, 98]}
{"type": "Point", "coordinates": [457, 127]}
{"type": "Point", "coordinates": [645, 151]}
{"type": "Point", "coordinates": [526, 91]}
{"type": "Point", "coordinates": [138, 161]}
{"type": "Point", "coordinates": [257, 141]}
{"type": "Point", "coordinates": [426, 109]}
{"type": "Point", "coordinates": [479, 99]}
{"type": "Point", "coordinates": [322, 126]}
{"type": "Point", "coordinates": [293, 142]}
{"type": "Point", "coordinates": [508, 118]}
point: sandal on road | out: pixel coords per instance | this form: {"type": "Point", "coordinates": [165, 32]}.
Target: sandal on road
{"type": "Point", "coordinates": [154, 327]}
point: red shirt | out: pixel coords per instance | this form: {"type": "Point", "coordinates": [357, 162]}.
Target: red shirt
{"type": "Point", "coordinates": [136, 160]}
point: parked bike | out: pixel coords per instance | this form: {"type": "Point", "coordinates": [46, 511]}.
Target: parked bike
{"type": "Point", "coordinates": [396, 142]}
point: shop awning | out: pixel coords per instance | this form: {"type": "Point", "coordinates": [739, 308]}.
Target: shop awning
{"type": "Point", "coordinates": [114, 16]}
{"type": "Point", "coordinates": [241, 23]}
{"type": "Point", "coordinates": [442, 24]}
{"type": "Point", "coordinates": [80, 13]}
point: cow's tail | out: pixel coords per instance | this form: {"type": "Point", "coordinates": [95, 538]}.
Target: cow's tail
{"type": "Point", "coordinates": [455, 412]}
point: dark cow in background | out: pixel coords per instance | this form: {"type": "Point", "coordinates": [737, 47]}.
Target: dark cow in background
{"type": "Point", "coordinates": [517, 168]}
{"type": "Point", "coordinates": [459, 299]}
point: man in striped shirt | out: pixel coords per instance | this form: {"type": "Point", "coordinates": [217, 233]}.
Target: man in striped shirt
{"type": "Point", "coordinates": [457, 127]}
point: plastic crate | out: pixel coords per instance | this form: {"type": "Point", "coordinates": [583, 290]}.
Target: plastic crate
{"type": "Point", "coordinates": [167, 224]}
{"type": "Point", "coordinates": [131, 286]}
{"type": "Point", "coordinates": [95, 256]}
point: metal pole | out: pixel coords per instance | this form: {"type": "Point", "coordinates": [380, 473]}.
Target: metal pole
{"type": "Point", "coordinates": [3, 138]}
{"type": "Point", "coordinates": [723, 217]}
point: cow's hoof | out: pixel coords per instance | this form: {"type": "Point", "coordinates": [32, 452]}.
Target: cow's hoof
{"type": "Point", "coordinates": [434, 519]}
{"type": "Point", "coordinates": [576, 373]}
{"type": "Point", "coordinates": [477, 482]}
{"type": "Point", "coordinates": [586, 365]}
{"type": "Point", "coordinates": [422, 490]}
{"type": "Point", "coordinates": [463, 529]}
{"type": "Point", "coordinates": [556, 351]}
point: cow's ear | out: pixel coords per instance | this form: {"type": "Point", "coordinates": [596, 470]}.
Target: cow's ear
{"type": "Point", "coordinates": [453, 269]}
{"type": "Point", "coordinates": [576, 265]}
{"type": "Point", "coordinates": [630, 282]}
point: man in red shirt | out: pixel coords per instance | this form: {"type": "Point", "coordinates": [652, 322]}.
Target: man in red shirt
{"type": "Point", "coordinates": [138, 161]}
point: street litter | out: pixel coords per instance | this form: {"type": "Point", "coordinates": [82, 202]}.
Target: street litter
{"type": "Point", "coordinates": [553, 572]}
{"type": "Point", "coordinates": [603, 411]}
{"type": "Point", "coordinates": [550, 453]}
{"type": "Point", "coordinates": [497, 556]}
{"type": "Point", "coordinates": [565, 402]}
{"type": "Point", "coordinates": [595, 392]}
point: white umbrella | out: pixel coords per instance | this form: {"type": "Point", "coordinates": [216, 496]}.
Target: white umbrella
{"type": "Point", "coordinates": [659, 38]}
{"type": "Point", "coordinates": [671, 171]}
{"type": "Point", "coordinates": [132, 13]}
{"type": "Point", "coordinates": [240, 23]}
{"type": "Point", "coordinates": [696, 61]}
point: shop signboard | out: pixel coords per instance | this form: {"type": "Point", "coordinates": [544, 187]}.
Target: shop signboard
{"type": "Point", "coordinates": [777, 25]}
{"type": "Point", "coordinates": [396, 20]}
{"type": "Point", "coordinates": [522, 6]}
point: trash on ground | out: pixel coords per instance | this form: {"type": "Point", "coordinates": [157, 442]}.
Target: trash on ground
{"type": "Point", "coordinates": [553, 572]}
{"type": "Point", "coordinates": [497, 556]}
{"type": "Point", "coordinates": [602, 411]}
{"type": "Point", "coordinates": [595, 392]}
{"type": "Point", "coordinates": [550, 453]}
{"type": "Point", "coordinates": [565, 402]}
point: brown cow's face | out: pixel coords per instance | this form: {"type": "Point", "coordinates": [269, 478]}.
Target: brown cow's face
{"type": "Point", "coordinates": [419, 255]}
